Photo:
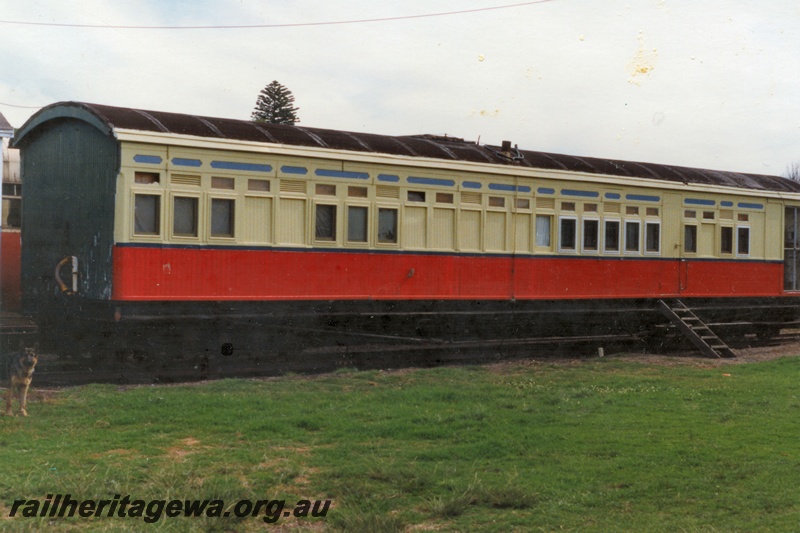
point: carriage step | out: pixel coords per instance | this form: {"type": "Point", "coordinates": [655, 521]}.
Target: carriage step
{"type": "Point", "coordinates": [695, 330]}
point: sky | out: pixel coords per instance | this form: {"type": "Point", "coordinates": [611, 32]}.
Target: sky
{"type": "Point", "coordinates": [712, 84]}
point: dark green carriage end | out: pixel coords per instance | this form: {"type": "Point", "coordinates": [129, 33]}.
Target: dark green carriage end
{"type": "Point", "coordinates": [70, 161]}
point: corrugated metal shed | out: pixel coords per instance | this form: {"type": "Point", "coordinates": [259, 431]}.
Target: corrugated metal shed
{"type": "Point", "coordinates": [445, 148]}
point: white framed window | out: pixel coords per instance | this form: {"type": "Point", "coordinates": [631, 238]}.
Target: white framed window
{"type": "Point", "coordinates": [652, 237]}
{"type": "Point", "coordinates": [611, 236]}
{"type": "Point", "coordinates": [633, 236]}
{"type": "Point", "coordinates": [567, 234]}
{"type": "Point", "coordinates": [591, 235]}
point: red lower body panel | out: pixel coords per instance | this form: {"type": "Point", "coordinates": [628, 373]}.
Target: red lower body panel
{"type": "Point", "coordinates": [164, 273]}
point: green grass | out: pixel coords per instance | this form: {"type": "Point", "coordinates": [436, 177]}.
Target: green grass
{"type": "Point", "coordinates": [592, 445]}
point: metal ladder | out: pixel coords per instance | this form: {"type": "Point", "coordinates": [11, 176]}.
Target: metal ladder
{"type": "Point", "coordinates": [695, 330]}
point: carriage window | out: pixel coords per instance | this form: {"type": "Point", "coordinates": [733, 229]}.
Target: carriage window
{"type": "Point", "coordinates": [222, 183]}
{"type": "Point", "coordinates": [222, 213]}
{"type": "Point", "coordinates": [325, 189]}
{"type": "Point", "coordinates": [690, 239]}
{"type": "Point", "coordinates": [444, 197]}
{"type": "Point", "coordinates": [184, 221]}
{"type": "Point", "coordinates": [590, 208]}
{"type": "Point", "coordinates": [632, 228]}
{"type": "Point", "coordinates": [726, 240]}
{"type": "Point", "coordinates": [743, 240]}
{"type": "Point", "coordinates": [357, 192]}
{"type": "Point", "coordinates": [568, 230]}
{"type": "Point", "coordinates": [258, 185]}
{"type": "Point", "coordinates": [147, 214]}
{"type": "Point", "coordinates": [611, 241]}
{"type": "Point", "coordinates": [743, 217]}
{"type": "Point", "coordinates": [568, 206]}
{"type": "Point", "coordinates": [543, 225]}
{"type": "Point", "coordinates": [690, 213]}
{"type": "Point", "coordinates": [357, 224]}
{"type": "Point", "coordinates": [523, 203]}
{"type": "Point", "coordinates": [652, 212]}
{"type": "Point", "coordinates": [326, 223]}
{"type": "Point", "coordinates": [416, 196]}
{"type": "Point", "coordinates": [652, 237]}
{"type": "Point", "coordinates": [631, 210]}
{"type": "Point", "coordinates": [387, 226]}
{"type": "Point", "coordinates": [708, 215]}
{"type": "Point", "coordinates": [146, 178]}
{"type": "Point", "coordinates": [497, 201]}
{"type": "Point", "coordinates": [591, 228]}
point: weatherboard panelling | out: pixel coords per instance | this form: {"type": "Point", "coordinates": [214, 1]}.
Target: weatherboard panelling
{"type": "Point", "coordinates": [443, 230]}
{"type": "Point", "coordinates": [257, 220]}
{"type": "Point", "coordinates": [415, 227]}
{"type": "Point", "coordinates": [469, 230]}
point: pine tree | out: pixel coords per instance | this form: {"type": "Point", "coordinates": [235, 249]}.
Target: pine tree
{"type": "Point", "coordinates": [275, 105]}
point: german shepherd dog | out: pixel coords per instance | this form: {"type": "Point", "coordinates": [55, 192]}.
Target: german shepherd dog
{"type": "Point", "coordinates": [18, 371]}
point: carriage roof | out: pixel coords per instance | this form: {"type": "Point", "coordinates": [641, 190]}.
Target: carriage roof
{"type": "Point", "coordinates": [110, 118]}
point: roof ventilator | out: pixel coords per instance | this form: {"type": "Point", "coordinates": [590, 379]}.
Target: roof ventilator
{"type": "Point", "coordinates": [506, 152]}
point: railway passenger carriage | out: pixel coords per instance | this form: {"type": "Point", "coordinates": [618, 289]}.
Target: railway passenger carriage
{"type": "Point", "coordinates": [164, 216]}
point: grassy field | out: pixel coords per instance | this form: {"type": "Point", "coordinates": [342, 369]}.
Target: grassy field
{"type": "Point", "coordinates": [589, 445]}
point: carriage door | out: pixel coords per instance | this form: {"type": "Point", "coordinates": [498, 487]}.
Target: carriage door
{"type": "Point", "coordinates": [791, 249]}
{"type": "Point", "coordinates": [675, 228]}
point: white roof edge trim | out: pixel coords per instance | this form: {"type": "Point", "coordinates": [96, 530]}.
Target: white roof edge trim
{"type": "Point", "coordinates": [192, 141]}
